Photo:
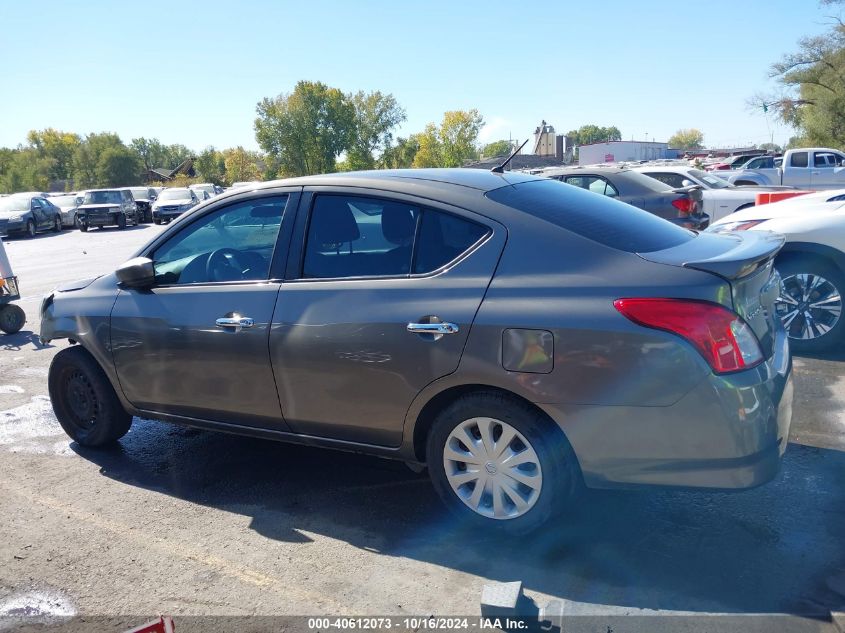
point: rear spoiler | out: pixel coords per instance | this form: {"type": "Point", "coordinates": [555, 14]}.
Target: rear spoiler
{"type": "Point", "coordinates": [729, 255]}
{"type": "Point", "coordinates": [695, 191]}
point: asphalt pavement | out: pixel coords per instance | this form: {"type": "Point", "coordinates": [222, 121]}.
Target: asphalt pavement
{"type": "Point", "coordinates": [187, 522]}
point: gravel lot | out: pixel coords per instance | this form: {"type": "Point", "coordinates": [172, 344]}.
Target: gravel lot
{"type": "Point", "coordinates": [181, 521]}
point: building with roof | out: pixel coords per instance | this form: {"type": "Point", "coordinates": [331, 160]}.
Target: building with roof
{"type": "Point", "coordinates": [618, 151]}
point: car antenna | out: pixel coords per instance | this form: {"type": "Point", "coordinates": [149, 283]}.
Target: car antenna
{"type": "Point", "coordinates": [500, 169]}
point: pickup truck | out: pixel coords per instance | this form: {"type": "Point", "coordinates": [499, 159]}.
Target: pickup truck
{"type": "Point", "coordinates": [806, 168]}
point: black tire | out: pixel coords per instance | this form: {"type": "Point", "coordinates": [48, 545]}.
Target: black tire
{"type": "Point", "coordinates": [789, 267]}
{"type": "Point", "coordinates": [121, 221]}
{"type": "Point", "coordinates": [83, 227]}
{"type": "Point", "coordinates": [148, 217]}
{"type": "Point", "coordinates": [157, 220]}
{"type": "Point", "coordinates": [12, 318]}
{"type": "Point", "coordinates": [561, 477]}
{"type": "Point", "coordinates": [31, 229]}
{"type": "Point", "coordinates": [57, 224]}
{"type": "Point", "coordinates": [76, 221]}
{"type": "Point", "coordinates": [84, 400]}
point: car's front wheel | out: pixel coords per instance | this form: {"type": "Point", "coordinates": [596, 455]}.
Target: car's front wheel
{"type": "Point", "coordinates": [810, 303]}
{"type": "Point", "coordinates": [84, 400]}
{"type": "Point", "coordinates": [499, 463]}
{"type": "Point", "coordinates": [31, 229]}
{"type": "Point", "coordinates": [57, 224]}
{"type": "Point", "coordinates": [121, 221]}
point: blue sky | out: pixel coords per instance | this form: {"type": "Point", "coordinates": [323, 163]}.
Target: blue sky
{"type": "Point", "coordinates": [192, 72]}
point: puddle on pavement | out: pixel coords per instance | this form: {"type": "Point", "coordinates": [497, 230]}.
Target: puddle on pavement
{"type": "Point", "coordinates": [33, 428]}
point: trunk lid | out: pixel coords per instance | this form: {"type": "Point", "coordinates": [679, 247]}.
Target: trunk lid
{"type": "Point", "coordinates": [746, 261]}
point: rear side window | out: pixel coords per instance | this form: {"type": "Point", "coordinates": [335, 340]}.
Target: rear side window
{"type": "Point", "coordinates": [442, 238]}
{"type": "Point", "coordinates": [667, 178]}
{"type": "Point", "coordinates": [351, 236]}
{"type": "Point", "coordinates": [799, 159]}
{"type": "Point", "coordinates": [601, 219]}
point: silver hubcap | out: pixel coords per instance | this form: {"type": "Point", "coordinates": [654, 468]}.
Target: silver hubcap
{"type": "Point", "coordinates": [809, 306]}
{"type": "Point", "coordinates": [492, 468]}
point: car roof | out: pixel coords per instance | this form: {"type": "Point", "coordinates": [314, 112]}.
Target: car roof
{"type": "Point", "coordinates": [479, 179]}
{"type": "Point", "coordinates": [586, 169]}
{"type": "Point", "coordinates": [108, 189]}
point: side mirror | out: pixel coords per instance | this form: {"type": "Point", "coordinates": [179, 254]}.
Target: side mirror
{"type": "Point", "coordinates": [138, 272]}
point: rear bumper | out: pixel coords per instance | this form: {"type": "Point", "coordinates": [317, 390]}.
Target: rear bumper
{"type": "Point", "coordinates": [729, 432]}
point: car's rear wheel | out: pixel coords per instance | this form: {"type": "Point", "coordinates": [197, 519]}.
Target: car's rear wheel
{"type": "Point", "coordinates": [12, 318]}
{"type": "Point", "coordinates": [810, 303]}
{"type": "Point", "coordinates": [84, 400]}
{"type": "Point", "coordinates": [500, 464]}
{"type": "Point", "coordinates": [31, 229]}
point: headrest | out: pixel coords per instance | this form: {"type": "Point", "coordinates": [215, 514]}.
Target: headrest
{"type": "Point", "coordinates": [398, 224]}
{"type": "Point", "coordinates": [333, 221]}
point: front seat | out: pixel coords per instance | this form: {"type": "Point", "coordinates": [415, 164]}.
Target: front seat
{"type": "Point", "coordinates": [333, 225]}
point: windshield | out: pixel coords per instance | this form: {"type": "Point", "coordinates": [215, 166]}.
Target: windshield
{"type": "Point", "coordinates": [712, 182]}
{"type": "Point", "coordinates": [14, 204]}
{"type": "Point", "coordinates": [140, 193]}
{"type": "Point", "coordinates": [103, 197]}
{"type": "Point", "coordinates": [175, 194]}
{"type": "Point", "coordinates": [208, 188]}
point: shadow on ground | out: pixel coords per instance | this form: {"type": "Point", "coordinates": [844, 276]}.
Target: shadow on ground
{"type": "Point", "coordinates": [778, 548]}
{"type": "Point", "coordinates": [18, 341]}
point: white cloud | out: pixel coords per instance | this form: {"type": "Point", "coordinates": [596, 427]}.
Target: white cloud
{"type": "Point", "coordinates": [496, 128]}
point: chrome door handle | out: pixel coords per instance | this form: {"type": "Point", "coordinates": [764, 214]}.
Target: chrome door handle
{"type": "Point", "coordinates": [237, 323]}
{"type": "Point", "coordinates": [432, 328]}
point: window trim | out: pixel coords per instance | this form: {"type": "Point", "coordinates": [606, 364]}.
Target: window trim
{"type": "Point", "coordinates": [280, 248]}
{"type": "Point", "coordinates": [296, 252]}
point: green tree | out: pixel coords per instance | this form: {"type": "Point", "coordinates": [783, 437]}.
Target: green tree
{"type": "Point", "coordinates": [459, 135]}
{"type": "Point", "coordinates": [211, 166]}
{"type": "Point", "coordinates": [118, 166]}
{"type": "Point", "coordinates": [376, 117]}
{"type": "Point", "coordinates": [241, 165]}
{"type": "Point", "coordinates": [812, 93]}
{"type": "Point", "coordinates": [57, 147]}
{"type": "Point", "coordinates": [401, 155]}
{"type": "Point", "coordinates": [23, 170]}
{"type": "Point", "coordinates": [590, 133]}
{"type": "Point", "coordinates": [305, 131]}
{"type": "Point", "coordinates": [770, 147]}
{"type": "Point", "coordinates": [497, 148]}
{"type": "Point", "coordinates": [87, 156]}
{"type": "Point", "coordinates": [452, 142]}
{"type": "Point", "coordinates": [429, 150]}
{"type": "Point", "coordinates": [688, 138]}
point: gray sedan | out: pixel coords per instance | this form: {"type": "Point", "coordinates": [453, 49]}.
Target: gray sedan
{"type": "Point", "coordinates": [517, 336]}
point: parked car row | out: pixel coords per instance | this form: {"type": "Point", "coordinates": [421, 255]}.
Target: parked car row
{"type": "Point", "coordinates": [28, 213]}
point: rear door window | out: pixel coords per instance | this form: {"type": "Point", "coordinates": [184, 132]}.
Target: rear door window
{"type": "Point", "coordinates": [603, 220]}
{"type": "Point", "coordinates": [799, 159]}
{"type": "Point", "coordinates": [353, 236]}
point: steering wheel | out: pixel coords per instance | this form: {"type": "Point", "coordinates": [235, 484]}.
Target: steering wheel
{"type": "Point", "coordinates": [224, 264]}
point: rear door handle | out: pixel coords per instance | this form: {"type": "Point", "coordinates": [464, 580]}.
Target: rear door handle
{"type": "Point", "coordinates": [433, 328]}
{"type": "Point", "coordinates": [236, 323]}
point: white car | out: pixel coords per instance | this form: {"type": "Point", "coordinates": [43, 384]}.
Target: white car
{"type": "Point", "coordinates": [811, 263]}
{"type": "Point", "coordinates": [719, 198]}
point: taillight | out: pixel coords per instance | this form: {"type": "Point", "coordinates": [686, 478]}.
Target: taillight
{"type": "Point", "coordinates": [721, 336]}
{"type": "Point", "coordinates": [684, 206]}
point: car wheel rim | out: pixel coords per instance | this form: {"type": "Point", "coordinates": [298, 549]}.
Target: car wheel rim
{"type": "Point", "coordinates": [82, 400]}
{"type": "Point", "coordinates": [492, 468]}
{"type": "Point", "coordinates": [809, 305]}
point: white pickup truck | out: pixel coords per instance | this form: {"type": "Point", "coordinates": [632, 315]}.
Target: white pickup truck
{"type": "Point", "coordinates": [805, 168]}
